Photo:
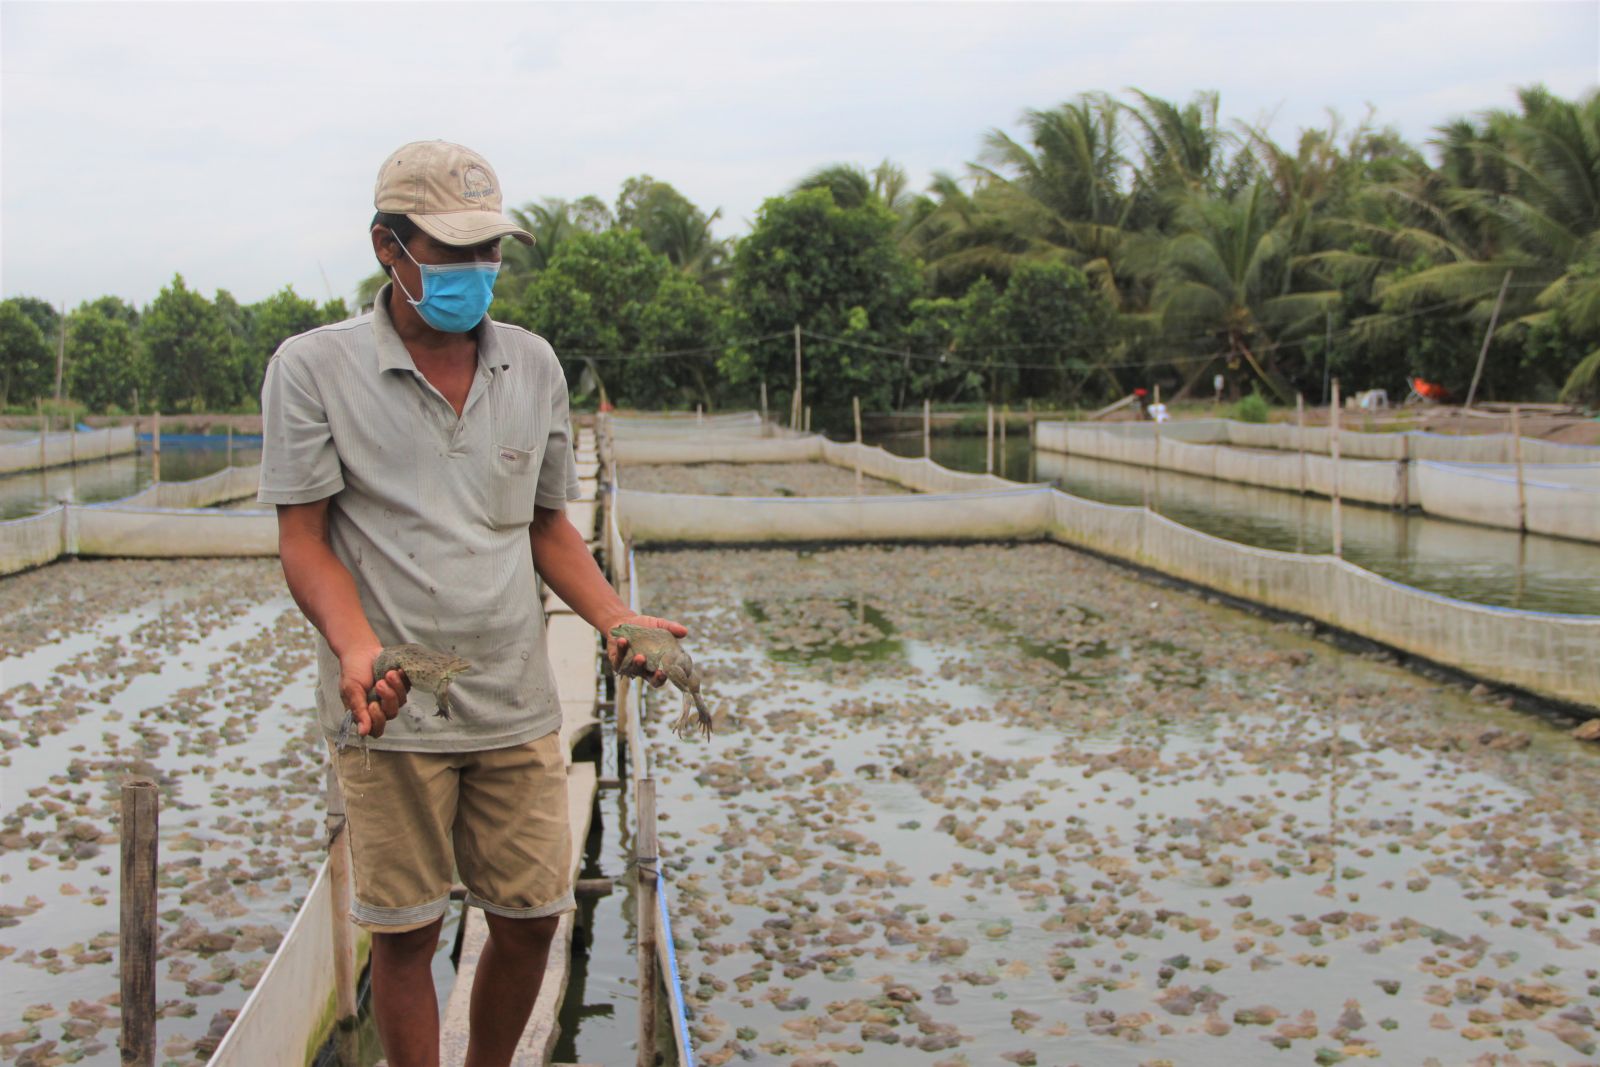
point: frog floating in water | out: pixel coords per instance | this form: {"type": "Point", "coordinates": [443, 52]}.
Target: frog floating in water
{"type": "Point", "coordinates": [662, 652]}
{"type": "Point", "coordinates": [423, 668]}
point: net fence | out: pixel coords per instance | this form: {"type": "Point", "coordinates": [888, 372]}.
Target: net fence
{"type": "Point", "coordinates": [1558, 498]}
{"type": "Point", "coordinates": [166, 519]}
{"type": "Point", "coordinates": [52, 450]}
{"type": "Point", "coordinates": [1554, 655]}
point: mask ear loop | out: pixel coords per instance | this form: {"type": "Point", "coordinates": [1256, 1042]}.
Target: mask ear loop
{"type": "Point", "coordinates": [396, 277]}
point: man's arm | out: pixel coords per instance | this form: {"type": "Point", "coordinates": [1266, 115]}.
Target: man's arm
{"type": "Point", "coordinates": [326, 592]}
{"type": "Point", "coordinates": [567, 566]}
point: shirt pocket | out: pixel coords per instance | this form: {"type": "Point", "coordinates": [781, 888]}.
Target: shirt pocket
{"type": "Point", "coordinates": [512, 486]}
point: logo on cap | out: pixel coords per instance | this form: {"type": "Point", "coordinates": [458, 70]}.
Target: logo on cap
{"type": "Point", "coordinates": [476, 183]}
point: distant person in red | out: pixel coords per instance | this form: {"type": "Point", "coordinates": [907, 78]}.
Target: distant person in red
{"type": "Point", "coordinates": [1429, 390]}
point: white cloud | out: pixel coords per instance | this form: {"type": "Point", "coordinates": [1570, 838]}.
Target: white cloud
{"type": "Point", "coordinates": [236, 143]}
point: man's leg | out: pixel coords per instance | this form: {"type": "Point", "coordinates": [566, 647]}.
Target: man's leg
{"type": "Point", "coordinates": [404, 1004]}
{"type": "Point", "coordinates": [514, 851]}
{"type": "Point", "coordinates": [506, 985]}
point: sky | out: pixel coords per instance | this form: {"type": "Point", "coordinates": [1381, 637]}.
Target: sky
{"type": "Point", "coordinates": [237, 143]}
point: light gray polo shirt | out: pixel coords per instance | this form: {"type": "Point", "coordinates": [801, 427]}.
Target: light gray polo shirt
{"type": "Point", "coordinates": [429, 512]}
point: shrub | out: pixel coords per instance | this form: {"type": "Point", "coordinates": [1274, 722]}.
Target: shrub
{"type": "Point", "coordinates": [1252, 408]}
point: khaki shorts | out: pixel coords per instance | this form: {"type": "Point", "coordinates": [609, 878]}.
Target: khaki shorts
{"type": "Point", "coordinates": [498, 817]}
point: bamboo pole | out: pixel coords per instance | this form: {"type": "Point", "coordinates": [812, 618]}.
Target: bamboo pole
{"type": "Point", "coordinates": [622, 724]}
{"type": "Point", "coordinates": [927, 428]}
{"type": "Point", "coordinates": [1516, 451]}
{"type": "Point", "coordinates": [1005, 416]}
{"type": "Point", "coordinates": [645, 866]}
{"type": "Point", "coordinates": [1488, 335]}
{"type": "Point", "coordinates": [988, 454]}
{"type": "Point", "coordinates": [230, 444]}
{"type": "Point", "coordinates": [799, 374]}
{"type": "Point", "coordinates": [141, 805]}
{"type": "Point", "coordinates": [72, 440]}
{"type": "Point", "coordinates": [1333, 444]}
{"type": "Point", "coordinates": [155, 447]}
{"type": "Point", "coordinates": [1300, 436]}
{"type": "Point", "coordinates": [855, 405]}
{"type": "Point", "coordinates": [44, 428]}
{"type": "Point", "coordinates": [344, 940]}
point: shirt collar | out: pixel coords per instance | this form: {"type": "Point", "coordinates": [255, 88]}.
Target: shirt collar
{"type": "Point", "coordinates": [392, 352]}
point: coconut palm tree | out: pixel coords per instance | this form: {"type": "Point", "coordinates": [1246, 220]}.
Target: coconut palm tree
{"type": "Point", "coordinates": [1225, 286]}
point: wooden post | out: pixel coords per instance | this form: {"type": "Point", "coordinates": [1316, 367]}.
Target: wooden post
{"type": "Point", "coordinates": [61, 349]}
{"type": "Point", "coordinates": [1516, 451]}
{"type": "Point", "coordinates": [807, 424]}
{"type": "Point", "coordinates": [155, 447]}
{"type": "Point", "coordinates": [1005, 416]}
{"type": "Point", "coordinates": [622, 724]}
{"type": "Point", "coordinates": [763, 405]}
{"type": "Point", "coordinates": [344, 939]}
{"type": "Point", "coordinates": [1488, 335]}
{"type": "Point", "coordinates": [1333, 444]}
{"type": "Point", "coordinates": [855, 406]}
{"type": "Point", "coordinates": [230, 444]}
{"type": "Point", "coordinates": [699, 416]}
{"type": "Point", "coordinates": [1404, 493]}
{"type": "Point", "coordinates": [927, 429]}
{"type": "Point", "coordinates": [645, 867]}
{"type": "Point", "coordinates": [799, 374]}
{"type": "Point", "coordinates": [72, 439]}
{"type": "Point", "coordinates": [44, 428]}
{"type": "Point", "coordinates": [141, 804]}
{"type": "Point", "coordinates": [1300, 436]}
{"type": "Point", "coordinates": [988, 454]}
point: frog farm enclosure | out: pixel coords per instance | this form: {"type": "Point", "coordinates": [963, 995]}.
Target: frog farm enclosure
{"type": "Point", "coordinates": [965, 804]}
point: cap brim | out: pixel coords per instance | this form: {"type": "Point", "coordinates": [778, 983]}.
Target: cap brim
{"type": "Point", "coordinates": [469, 227]}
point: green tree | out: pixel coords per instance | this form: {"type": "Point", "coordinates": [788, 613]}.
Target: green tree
{"type": "Point", "coordinates": [104, 364]}
{"type": "Point", "coordinates": [27, 363]}
{"type": "Point", "coordinates": [589, 299]}
{"type": "Point", "coordinates": [838, 274]}
{"type": "Point", "coordinates": [272, 322]}
{"type": "Point", "coordinates": [41, 314]}
{"type": "Point", "coordinates": [672, 226]}
{"type": "Point", "coordinates": [189, 351]}
{"type": "Point", "coordinates": [1225, 289]}
{"type": "Point", "coordinates": [1052, 322]}
{"type": "Point", "coordinates": [679, 330]}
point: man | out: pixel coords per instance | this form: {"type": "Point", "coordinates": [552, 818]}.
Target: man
{"type": "Point", "coordinates": [420, 459]}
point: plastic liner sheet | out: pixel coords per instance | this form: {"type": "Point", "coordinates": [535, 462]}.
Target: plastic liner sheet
{"type": "Point", "coordinates": [1559, 500]}
{"type": "Point", "coordinates": [673, 517]}
{"type": "Point", "coordinates": [715, 449]}
{"type": "Point", "coordinates": [61, 448]}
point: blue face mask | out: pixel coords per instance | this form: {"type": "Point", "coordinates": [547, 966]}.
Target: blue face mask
{"type": "Point", "coordinates": [455, 296]}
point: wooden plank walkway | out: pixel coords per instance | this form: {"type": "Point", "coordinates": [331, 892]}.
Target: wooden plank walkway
{"type": "Point", "coordinates": [574, 654]}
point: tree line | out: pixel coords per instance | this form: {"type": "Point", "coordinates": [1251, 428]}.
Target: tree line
{"type": "Point", "coordinates": [1114, 243]}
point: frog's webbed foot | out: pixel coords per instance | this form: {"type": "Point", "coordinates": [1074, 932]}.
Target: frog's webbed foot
{"type": "Point", "coordinates": [693, 717]}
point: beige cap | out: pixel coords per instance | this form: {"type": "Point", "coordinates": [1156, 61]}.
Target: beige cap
{"type": "Point", "coordinates": [450, 192]}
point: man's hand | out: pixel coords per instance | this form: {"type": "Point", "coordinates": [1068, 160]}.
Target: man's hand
{"type": "Point", "coordinates": [617, 647]}
{"type": "Point", "coordinates": [355, 682]}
